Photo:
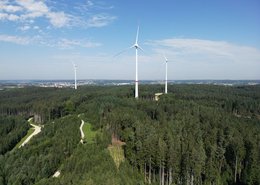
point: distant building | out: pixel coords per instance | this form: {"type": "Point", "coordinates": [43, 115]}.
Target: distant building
{"type": "Point", "coordinates": [156, 96]}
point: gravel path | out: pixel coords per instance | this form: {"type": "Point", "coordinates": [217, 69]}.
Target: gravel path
{"type": "Point", "coordinates": [81, 131]}
{"type": "Point", "coordinates": [37, 130]}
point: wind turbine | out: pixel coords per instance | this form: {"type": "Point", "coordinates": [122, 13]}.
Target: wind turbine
{"type": "Point", "coordinates": [75, 74]}
{"type": "Point", "coordinates": [136, 46]}
{"type": "Point", "coordinates": [166, 74]}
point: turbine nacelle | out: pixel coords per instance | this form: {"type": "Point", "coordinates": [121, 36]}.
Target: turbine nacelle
{"type": "Point", "coordinates": [74, 65]}
{"type": "Point", "coordinates": [166, 60]}
{"type": "Point", "coordinates": [135, 46]}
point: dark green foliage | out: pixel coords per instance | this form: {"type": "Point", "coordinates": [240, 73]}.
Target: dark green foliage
{"type": "Point", "coordinates": [197, 134]}
{"type": "Point", "coordinates": [44, 154]}
{"type": "Point", "coordinates": [12, 130]}
{"type": "Point", "coordinates": [91, 164]}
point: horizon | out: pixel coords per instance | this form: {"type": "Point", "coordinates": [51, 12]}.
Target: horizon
{"type": "Point", "coordinates": [131, 80]}
{"type": "Point", "coordinates": [202, 40]}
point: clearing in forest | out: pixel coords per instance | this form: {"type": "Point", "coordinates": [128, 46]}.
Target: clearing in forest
{"type": "Point", "coordinates": [116, 151]}
{"type": "Point", "coordinates": [89, 134]}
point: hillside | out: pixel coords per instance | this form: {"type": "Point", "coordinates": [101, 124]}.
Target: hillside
{"type": "Point", "coordinates": [196, 134]}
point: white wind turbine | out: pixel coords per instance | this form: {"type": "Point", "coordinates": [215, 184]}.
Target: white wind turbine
{"type": "Point", "coordinates": [75, 74]}
{"type": "Point", "coordinates": [136, 46]}
{"type": "Point", "coordinates": [166, 75]}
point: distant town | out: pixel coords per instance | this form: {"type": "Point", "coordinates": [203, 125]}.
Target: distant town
{"type": "Point", "coordinates": [7, 84]}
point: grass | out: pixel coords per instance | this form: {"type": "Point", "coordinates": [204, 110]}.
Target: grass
{"type": "Point", "coordinates": [117, 153]}
{"type": "Point", "coordinates": [89, 133]}
{"type": "Point", "coordinates": [29, 132]}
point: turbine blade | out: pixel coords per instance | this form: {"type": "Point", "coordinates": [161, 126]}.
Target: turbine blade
{"type": "Point", "coordinates": [74, 65]}
{"type": "Point", "coordinates": [137, 35]}
{"type": "Point", "coordinates": [165, 57]}
{"type": "Point", "coordinates": [141, 48]}
{"type": "Point", "coordinates": [123, 51]}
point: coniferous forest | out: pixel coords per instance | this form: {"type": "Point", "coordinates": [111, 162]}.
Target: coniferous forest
{"type": "Point", "coordinates": [196, 134]}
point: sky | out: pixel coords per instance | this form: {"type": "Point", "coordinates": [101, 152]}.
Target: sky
{"type": "Point", "coordinates": [41, 39]}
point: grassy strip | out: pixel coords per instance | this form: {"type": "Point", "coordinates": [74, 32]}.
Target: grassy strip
{"type": "Point", "coordinates": [117, 153]}
{"type": "Point", "coordinates": [29, 132]}
{"type": "Point", "coordinates": [89, 133]}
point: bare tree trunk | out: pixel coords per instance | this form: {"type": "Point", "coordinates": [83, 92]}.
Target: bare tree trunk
{"type": "Point", "coordinates": [150, 170]}
{"type": "Point", "coordinates": [167, 176]}
{"type": "Point", "coordinates": [162, 175]}
{"type": "Point", "coordinates": [240, 170]}
{"type": "Point", "coordinates": [170, 176]}
{"type": "Point", "coordinates": [192, 179]}
{"type": "Point", "coordinates": [145, 172]}
{"type": "Point", "coordinates": [154, 175]}
{"type": "Point", "coordinates": [188, 178]}
{"type": "Point", "coordinates": [235, 176]}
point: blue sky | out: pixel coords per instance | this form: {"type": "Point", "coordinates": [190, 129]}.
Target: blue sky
{"type": "Point", "coordinates": [39, 39]}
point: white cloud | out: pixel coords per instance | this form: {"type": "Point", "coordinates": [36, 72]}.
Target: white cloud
{"type": "Point", "coordinates": [39, 9]}
{"type": "Point", "coordinates": [3, 16]}
{"type": "Point", "coordinates": [9, 17]}
{"type": "Point", "coordinates": [9, 8]}
{"type": "Point", "coordinates": [204, 59]}
{"type": "Point", "coordinates": [34, 6]}
{"type": "Point", "coordinates": [68, 44]}
{"type": "Point", "coordinates": [206, 49]}
{"type": "Point", "coordinates": [13, 17]}
{"type": "Point", "coordinates": [89, 3]}
{"type": "Point", "coordinates": [15, 39]}
{"type": "Point", "coordinates": [29, 10]}
{"type": "Point", "coordinates": [100, 20]}
{"type": "Point", "coordinates": [24, 28]}
{"type": "Point", "coordinates": [58, 19]}
{"type": "Point", "coordinates": [56, 43]}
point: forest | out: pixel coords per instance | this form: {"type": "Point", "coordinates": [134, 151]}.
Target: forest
{"type": "Point", "coordinates": [195, 134]}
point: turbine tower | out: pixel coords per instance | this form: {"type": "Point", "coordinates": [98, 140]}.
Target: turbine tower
{"type": "Point", "coordinates": [75, 74]}
{"type": "Point", "coordinates": [166, 75]}
{"type": "Point", "coordinates": [136, 46]}
{"type": "Point", "coordinates": [136, 62]}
